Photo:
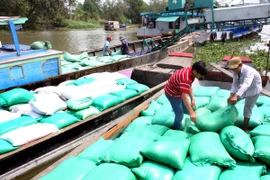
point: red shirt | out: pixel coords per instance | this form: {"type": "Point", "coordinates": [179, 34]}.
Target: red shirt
{"type": "Point", "coordinates": [180, 82]}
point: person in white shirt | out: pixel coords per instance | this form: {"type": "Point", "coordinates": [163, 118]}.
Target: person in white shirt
{"type": "Point", "coordinates": [246, 84]}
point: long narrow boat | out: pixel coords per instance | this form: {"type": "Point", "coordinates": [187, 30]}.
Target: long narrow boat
{"type": "Point", "coordinates": [118, 125]}
{"type": "Point", "coordinates": [138, 49]}
{"type": "Point", "coordinates": [38, 152]}
{"type": "Point", "coordinates": [62, 142]}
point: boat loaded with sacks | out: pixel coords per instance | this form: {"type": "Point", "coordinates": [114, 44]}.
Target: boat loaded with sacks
{"type": "Point", "coordinates": [78, 64]}
{"type": "Point", "coordinates": [40, 125]}
{"type": "Point", "coordinates": [143, 144]}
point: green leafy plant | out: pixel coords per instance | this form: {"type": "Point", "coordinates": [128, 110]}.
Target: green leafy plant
{"type": "Point", "coordinates": [214, 52]}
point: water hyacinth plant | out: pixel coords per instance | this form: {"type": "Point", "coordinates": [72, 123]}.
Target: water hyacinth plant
{"type": "Point", "coordinates": [214, 52]}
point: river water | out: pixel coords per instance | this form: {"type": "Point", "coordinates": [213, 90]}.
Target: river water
{"type": "Point", "coordinates": [72, 40]}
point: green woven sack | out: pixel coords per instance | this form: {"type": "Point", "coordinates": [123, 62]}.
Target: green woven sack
{"type": "Point", "coordinates": [201, 102]}
{"type": "Point", "coordinates": [218, 119]}
{"type": "Point", "coordinates": [79, 104]}
{"type": "Point", "coordinates": [126, 81]}
{"type": "Point", "coordinates": [151, 109]}
{"type": "Point", "coordinates": [106, 101]}
{"type": "Point", "coordinates": [125, 94]}
{"type": "Point", "coordinates": [164, 118]}
{"type": "Point", "coordinates": [94, 151]}
{"type": "Point", "coordinates": [153, 171]}
{"type": "Point", "coordinates": [70, 169]}
{"type": "Point", "coordinates": [106, 171]}
{"type": "Point", "coordinates": [193, 172]}
{"type": "Point", "coordinates": [5, 146]}
{"type": "Point", "coordinates": [255, 120]}
{"type": "Point", "coordinates": [140, 121]}
{"type": "Point", "coordinates": [119, 52]}
{"type": "Point", "coordinates": [262, 150]}
{"type": "Point", "coordinates": [261, 130]}
{"type": "Point", "coordinates": [60, 119]}
{"type": "Point", "coordinates": [85, 113]}
{"type": "Point", "coordinates": [263, 101]}
{"type": "Point", "coordinates": [244, 171]}
{"type": "Point", "coordinates": [126, 151]}
{"type": "Point", "coordinates": [41, 45]}
{"type": "Point", "coordinates": [206, 91]}
{"type": "Point", "coordinates": [237, 143]}
{"type": "Point", "coordinates": [79, 82]}
{"type": "Point", "coordinates": [174, 134]}
{"type": "Point", "coordinates": [265, 111]}
{"type": "Point", "coordinates": [140, 88]}
{"type": "Point", "coordinates": [105, 59]}
{"type": "Point", "coordinates": [223, 93]}
{"type": "Point", "coordinates": [206, 148]}
{"type": "Point", "coordinates": [216, 103]}
{"type": "Point", "coordinates": [92, 63]}
{"type": "Point", "coordinates": [147, 131]}
{"type": "Point", "coordinates": [169, 151]}
{"type": "Point", "coordinates": [16, 123]}
{"type": "Point", "coordinates": [16, 96]}
{"type": "Point", "coordinates": [162, 99]}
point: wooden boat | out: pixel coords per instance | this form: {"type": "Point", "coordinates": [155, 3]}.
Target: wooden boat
{"type": "Point", "coordinates": [138, 51]}
{"type": "Point", "coordinates": [32, 155]}
{"type": "Point", "coordinates": [119, 124]}
{"type": "Point", "coordinates": [62, 142]}
{"type": "Point", "coordinates": [19, 64]}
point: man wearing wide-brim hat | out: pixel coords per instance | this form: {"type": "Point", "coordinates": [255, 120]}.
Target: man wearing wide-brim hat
{"type": "Point", "coordinates": [246, 84]}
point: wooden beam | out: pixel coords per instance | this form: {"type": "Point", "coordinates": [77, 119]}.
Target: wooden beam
{"type": "Point", "coordinates": [218, 67]}
{"type": "Point", "coordinates": [123, 120]}
{"type": "Point", "coordinates": [228, 73]}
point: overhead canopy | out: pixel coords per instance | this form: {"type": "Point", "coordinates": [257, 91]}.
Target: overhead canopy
{"type": "Point", "coordinates": [167, 19]}
{"type": "Point", "coordinates": [16, 20]}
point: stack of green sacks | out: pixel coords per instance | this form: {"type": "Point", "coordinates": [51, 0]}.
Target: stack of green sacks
{"type": "Point", "coordinates": [148, 150]}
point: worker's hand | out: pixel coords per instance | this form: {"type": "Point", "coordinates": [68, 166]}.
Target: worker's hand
{"type": "Point", "coordinates": [232, 100]}
{"type": "Point", "coordinates": [193, 104]}
{"type": "Point", "coordinates": [110, 52]}
{"type": "Point", "coordinates": [193, 116]}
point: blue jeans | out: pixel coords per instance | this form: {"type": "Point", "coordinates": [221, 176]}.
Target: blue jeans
{"type": "Point", "coordinates": [179, 109]}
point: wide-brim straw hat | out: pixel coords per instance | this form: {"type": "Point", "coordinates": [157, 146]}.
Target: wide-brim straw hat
{"type": "Point", "coordinates": [234, 63]}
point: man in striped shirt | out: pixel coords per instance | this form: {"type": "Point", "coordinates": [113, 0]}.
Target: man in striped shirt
{"type": "Point", "coordinates": [178, 90]}
{"type": "Point", "coordinates": [247, 83]}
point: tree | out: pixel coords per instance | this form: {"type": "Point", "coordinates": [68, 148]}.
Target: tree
{"type": "Point", "coordinates": [157, 5]}
{"type": "Point", "coordinates": [91, 9]}
{"type": "Point", "coordinates": [135, 7]}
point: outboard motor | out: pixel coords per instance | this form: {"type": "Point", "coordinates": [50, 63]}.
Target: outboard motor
{"type": "Point", "coordinates": [231, 35]}
{"type": "Point", "coordinates": [223, 36]}
{"type": "Point", "coordinates": [213, 36]}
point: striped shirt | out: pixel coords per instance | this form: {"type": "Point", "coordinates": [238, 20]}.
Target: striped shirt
{"type": "Point", "coordinates": [247, 83]}
{"type": "Point", "coordinates": [179, 82]}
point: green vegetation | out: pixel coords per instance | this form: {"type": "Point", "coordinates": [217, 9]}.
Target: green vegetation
{"type": "Point", "coordinates": [214, 52]}
{"type": "Point", "coordinates": [44, 14]}
{"type": "Point", "coordinates": [71, 24]}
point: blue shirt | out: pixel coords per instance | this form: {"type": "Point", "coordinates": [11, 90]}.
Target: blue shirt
{"type": "Point", "coordinates": [125, 50]}
{"type": "Point", "coordinates": [105, 52]}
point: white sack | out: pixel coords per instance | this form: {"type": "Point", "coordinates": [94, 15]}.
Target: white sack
{"type": "Point", "coordinates": [47, 104]}
{"type": "Point", "coordinates": [7, 116]}
{"type": "Point", "coordinates": [29, 133]}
